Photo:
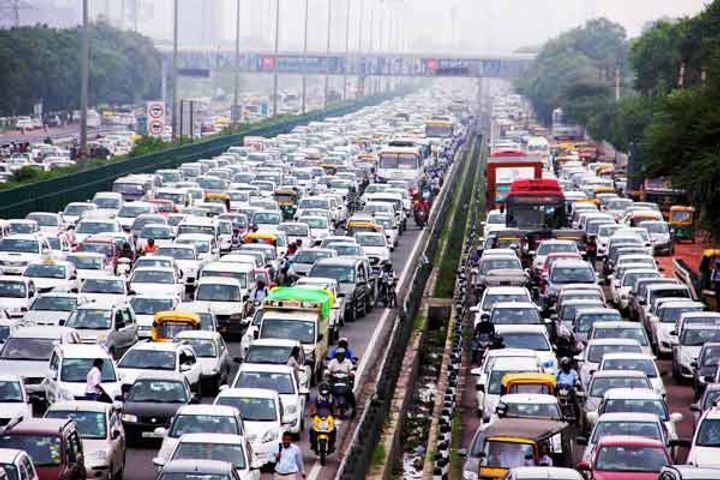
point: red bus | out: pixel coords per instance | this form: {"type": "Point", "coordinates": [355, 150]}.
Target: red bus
{"type": "Point", "coordinates": [536, 204]}
{"type": "Point", "coordinates": [506, 166]}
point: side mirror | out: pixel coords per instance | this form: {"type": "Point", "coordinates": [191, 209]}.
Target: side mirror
{"type": "Point", "coordinates": [709, 379]}
{"type": "Point", "coordinates": [195, 399]}
{"type": "Point", "coordinates": [582, 441]}
{"type": "Point", "coordinates": [119, 399]}
{"type": "Point", "coordinates": [256, 334]}
{"type": "Point", "coordinates": [61, 322]}
{"type": "Point", "coordinates": [674, 333]}
{"type": "Point", "coordinates": [158, 462]}
{"type": "Point", "coordinates": [52, 374]}
{"type": "Point", "coordinates": [694, 364]}
{"type": "Point", "coordinates": [184, 367]}
{"type": "Point", "coordinates": [583, 466]}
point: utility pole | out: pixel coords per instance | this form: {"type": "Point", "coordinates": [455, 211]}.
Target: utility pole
{"type": "Point", "coordinates": [360, 25]}
{"type": "Point", "coordinates": [347, 48]}
{"type": "Point", "coordinates": [327, 50]}
{"type": "Point", "coordinates": [236, 92]}
{"type": "Point", "coordinates": [277, 42]}
{"type": "Point", "coordinates": [305, 46]}
{"type": "Point", "coordinates": [84, 80]}
{"type": "Point", "coordinates": [174, 72]}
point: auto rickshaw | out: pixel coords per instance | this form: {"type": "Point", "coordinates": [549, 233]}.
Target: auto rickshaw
{"type": "Point", "coordinates": [517, 442]}
{"type": "Point", "coordinates": [168, 324]}
{"type": "Point", "coordinates": [528, 383]}
{"type": "Point", "coordinates": [261, 238]}
{"type": "Point", "coordinates": [222, 198]}
{"type": "Point", "coordinates": [354, 227]}
{"type": "Point", "coordinates": [287, 199]}
{"type": "Point", "coordinates": [682, 221]}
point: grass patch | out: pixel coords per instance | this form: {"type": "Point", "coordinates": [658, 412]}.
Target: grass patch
{"type": "Point", "coordinates": [378, 455]}
{"type": "Point", "coordinates": [456, 461]}
{"type": "Point", "coordinates": [419, 323]}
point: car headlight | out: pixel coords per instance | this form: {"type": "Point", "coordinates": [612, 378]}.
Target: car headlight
{"type": "Point", "coordinates": [129, 418]}
{"type": "Point", "coordinates": [291, 409]}
{"type": "Point", "coordinates": [269, 436]}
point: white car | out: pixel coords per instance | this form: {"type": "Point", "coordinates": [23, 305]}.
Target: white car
{"type": "Point", "coordinates": [374, 245]}
{"type": "Point", "coordinates": [493, 295]}
{"type": "Point", "coordinates": [74, 211]}
{"type": "Point", "coordinates": [705, 448]}
{"type": "Point", "coordinates": [280, 378]}
{"type": "Point", "coordinates": [620, 291]}
{"type": "Point", "coordinates": [261, 412]}
{"type": "Point", "coordinates": [145, 308]}
{"type": "Point", "coordinates": [160, 233]}
{"type": "Point", "coordinates": [17, 460]}
{"type": "Point", "coordinates": [18, 251]}
{"type": "Point", "coordinates": [390, 227]}
{"type": "Point", "coordinates": [67, 371]}
{"type": "Point", "coordinates": [494, 221]}
{"type": "Point", "coordinates": [108, 202]}
{"type": "Point", "coordinates": [320, 226]}
{"type": "Point", "coordinates": [532, 337]}
{"type": "Point", "coordinates": [685, 353]}
{"type": "Point", "coordinates": [621, 329]}
{"type": "Point", "coordinates": [89, 264]}
{"type": "Point", "coordinates": [166, 357]}
{"type": "Point", "coordinates": [51, 275]}
{"type": "Point", "coordinates": [602, 381]}
{"type": "Point", "coordinates": [213, 355]}
{"type": "Point", "coordinates": [661, 323]}
{"type": "Point", "coordinates": [489, 396]}
{"type": "Point", "coordinates": [552, 246]}
{"type": "Point", "coordinates": [155, 280]}
{"type": "Point", "coordinates": [112, 326]}
{"type": "Point", "coordinates": [234, 449]}
{"type": "Point", "coordinates": [104, 289]}
{"type": "Point", "coordinates": [187, 259]}
{"type": "Point", "coordinates": [130, 211]}
{"type": "Point", "coordinates": [49, 223]}
{"type": "Point", "coordinates": [16, 295]}
{"type": "Point", "coordinates": [88, 227]}
{"type": "Point", "coordinates": [527, 405]}
{"type": "Point", "coordinates": [14, 400]}
{"type": "Point", "coordinates": [635, 361]}
{"type": "Point", "coordinates": [205, 245]}
{"type": "Point", "coordinates": [209, 419]}
{"type": "Point", "coordinates": [591, 356]}
{"type": "Point", "coordinates": [225, 297]}
{"type": "Point", "coordinates": [297, 231]}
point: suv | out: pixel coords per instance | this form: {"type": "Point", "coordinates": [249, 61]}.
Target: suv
{"type": "Point", "coordinates": [53, 444]}
{"type": "Point", "coordinates": [110, 326]}
{"type": "Point", "coordinates": [355, 283]}
{"type": "Point", "coordinates": [168, 357]}
{"type": "Point", "coordinates": [66, 376]}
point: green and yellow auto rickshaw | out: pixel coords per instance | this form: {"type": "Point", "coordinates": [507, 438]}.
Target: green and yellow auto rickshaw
{"type": "Point", "coordinates": [287, 199]}
{"type": "Point", "coordinates": [682, 221]}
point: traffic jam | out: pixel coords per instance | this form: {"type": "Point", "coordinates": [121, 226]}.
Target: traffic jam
{"type": "Point", "coordinates": [590, 359]}
{"type": "Point", "coordinates": [201, 322]}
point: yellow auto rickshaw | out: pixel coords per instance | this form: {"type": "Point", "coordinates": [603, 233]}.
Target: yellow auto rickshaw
{"type": "Point", "coordinates": [529, 383]}
{"type": "Point", "coordinates": [516, 442]}
{"type": "Point", "coordinates": [682, 221]}
{"type": "Point", "coordinates": [355, 227]}
{"type": "Point", "coordinates": [287, 199]}
{"type": "Point", "coordinates": [261, 238]}
{"type": "Point", "coordinates": [221, 198]}
{"type": "Point", "coordinates": [168, 324]}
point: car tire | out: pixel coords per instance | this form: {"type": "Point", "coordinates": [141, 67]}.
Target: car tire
{"type": "Point", "coordinates": [350, 314]}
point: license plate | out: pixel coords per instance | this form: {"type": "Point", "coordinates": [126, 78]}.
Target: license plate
{"type": "Point", "coordinates": [150, 435]}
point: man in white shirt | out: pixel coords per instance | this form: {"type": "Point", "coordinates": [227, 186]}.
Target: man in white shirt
{"type": "Point", "coordinates": [93, 381]}
{"type": "Point", "coordinates": [341, 364]}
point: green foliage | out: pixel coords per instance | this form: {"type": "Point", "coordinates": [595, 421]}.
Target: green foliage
{"type": "Point", "coordinates": [656, 57]}
{"type": "Point", "coordinates": [43, 64]}
{"type": "Point", "coordinates": [147, 145]}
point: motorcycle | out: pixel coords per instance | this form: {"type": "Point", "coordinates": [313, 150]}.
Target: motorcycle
{"type": "Point", "coordinates": [421, 217]}
{"type": "Point", "coordinates": [341, 385]}
{"type": "Point", "coordinates": [322, 432]}
{"type": "Point", "coordinates": [481, 343]}
{"type": "Point", "coordinates": [568, 405]}
{"type": "Point", "coordinates": [124, 265]}
{"type": "Point", "coordinates": [386, 294]}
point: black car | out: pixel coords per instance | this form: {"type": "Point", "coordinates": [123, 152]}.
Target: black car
{"type": "Point", "coordinates": [355, 282]}
{"type": "Point", "coordinates": [152, 401]}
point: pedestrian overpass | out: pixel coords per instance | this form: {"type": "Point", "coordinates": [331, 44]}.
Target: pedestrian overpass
{"type": "Point", "coordinates": [200, 62]}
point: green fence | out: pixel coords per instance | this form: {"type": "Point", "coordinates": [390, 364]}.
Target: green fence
{"type": "Point", "coordinates": [52, 195]}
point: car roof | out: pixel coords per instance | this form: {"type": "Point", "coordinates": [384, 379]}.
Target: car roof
{"type": "Point", "coordinates": [529, 398]}
{"type": "Point", "coordinates": [521, 328]}
{"type": "Point", "coordinates": [80, 406]}
{"type": "Point", "coordinates": [632, 394]}
{"type": "Point", "coordinates": [161, 346]}
{"type": "Point", "coordinates": [197, 334]}
{"type": "Point", "coordinates": [84, 351]}
{"type": "Point", "coordinates": [198, 466]}
{"type": "Point", "coordinates": [209, 438]}
{"type": "Point", "coordinates": [506, 291]}
{"type": "Point", "coordinates": [248, 392]}
{"type": "Point", "coordinates": [512, 305]}
{"type": "Point", "coordinates": [44, 331]}
{"type": "Point", "coordinates": [39, 425]}
{"type": "Point", "coordinates": [538, 473]}
{"type": "Point", "coordinates": [628, 417]}
{"type": "Point", "coordinates": [261, 367]}
{"type": "Point", "coordinates": [617, 373]}
{"type": "Point", "coordinates": [339, 261]}
{"type": "Point", "coordinates": [214, 410]}
{"type": "Point", "coordinates": [280, 342]}
{"type": "Point", "coordinates": [612, 341]}
{"type": "Point", "coordinates": [626, 440]}
{"type": "Point", "coordinates": [220, 281]}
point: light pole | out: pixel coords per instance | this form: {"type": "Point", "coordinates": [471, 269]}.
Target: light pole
{"type": "Point", "coordinates": [305, 45]}
{"type": "Point", "coordinates": [327, 50]}
{"type": "Point", "coordinates": [85, 80]}
{"type": "Point", "coordinates": [277, 42]}
{"type": "Point", "coordinates": [174, 73]}
{"type": "Point", "coordinates": [236, 92]}
{"type": "Point", "coordinates": [347, 48]}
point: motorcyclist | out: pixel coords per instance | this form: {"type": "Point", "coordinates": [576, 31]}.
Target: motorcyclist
{"type": "Point", "coordinates": [485, 327]}
{"type": "Point", "coordinates": [259, 293]}
{"type": "Point", "coordinates": [342, 364]}
{"type": "Point", "coordinates": [323, 407]}
{"type": "Point", "coordinates": [150, 247]}
{"type": "Point", "coordinates": [567, 377]}
{"type": "Point", "coordinates": [344, 344]}
{"type": "Point", "coordinates": [126, 251]}
{"type": "Point", "coordinates": [388, 278]}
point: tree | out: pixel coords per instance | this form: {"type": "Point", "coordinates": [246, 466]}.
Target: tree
{"type": "Point", "coordinates": [656, 57]}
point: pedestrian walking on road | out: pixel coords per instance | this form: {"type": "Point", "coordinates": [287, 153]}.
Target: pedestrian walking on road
{"type": "Point", "coordinates": [591, 250]}
{"type": "Point", "coordinates": [289, 465]}
{"type": "Point", "coordinates": [93, 380]}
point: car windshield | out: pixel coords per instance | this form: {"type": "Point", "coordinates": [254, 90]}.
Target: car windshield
{"type": "Point", "coordinates": [90, 425]}
{"type": "Point", "coordinates": [86, 262]}
{"type": "Point", "coordinates": [216, 292]}
{"type": "Point", "coordinates": [268, 354]}
{"type": "Point", "coordinates": [234, 453]}
{"type": "Point", "coordinates": [280, 382]}
{"type": "Point", "coordinates": [507, 454]}
{"type": "Point", "coordinates": [11, 391]}
{"type": "Point", "coordinates": [177, 253]}
{"type": "Point", "coordinates": [204, 348]}
{"type": "Point", "coordinates": [371, 240]}
{"type": "Point", "coordinates": [601, 385]}
{"type": "Point", "coordinates": [582, 274]}
{"type": "Point", "coordinates": [528, 340]}
{"type": "Point", "coordinates": [630, 278]}
{"type": "Point", "coordinates": [309, 256]}
{"type": "Point", "coordinates": [162, 233]}
{"type": "Point", "coordinates": [512, 316]}
{"type": "Point", "coordinates": [655, 227]}
{"type": "Point", "coordinates": [76, 369]}
{"type": "Point", "coordinates": [672, 314]}
{"type": "Point", "coordinates": [28, 349]}
{"type": "Point", "coordinates": [585, 322]}
{"type": "Point", "coordinates": [632, 405]}
{"type": "Point", "coordinates": [533, 410]}
{"type": "Point", "coordinates": [77, 209]}
{"type": "Point", "coordinates": [132, 211]}
{"type": "Point", "coordinates": [111, 203]}
{"type": "Point", "coordinates": [44, 450]}
{"type": "Point", "coordinates": [189, 228]}
{"type": "Point", "coordinates": [90, 319]}
{"type": "Point", "coordinates": [347, 249]}
{"type": "Point", "coordinates": [632, 333]}
{"type": "Point", "coordinates": [315, 222]}
{"type": "Point", "coordinates": [340, 273]}
{"type": "Point", "coordinates": [91, 228]}
{"type": "Point", "coordinates": [44, 220]}
{"type": "Point", "coordinates": [709, 356]}
{"type": "Point", "coordinates": [491, 299]}
{"type": "Point", "coordinates": [631, 459]}
{"type": "Point", "coordinates": [495, 380]}
{"type": "Point", "coordinates": [11, 289]}
{"type": "Point", "coordinates": [19, 245]}
{"type": "Point", "coordinates": [709, 433]}
{"type": "Point", "coordinates": [113, 286]}
{"type": "Point", "coordinates": [267, 218]}
{"type": "Point", "coordinates": [183, 424]}
{"type": "Point", "coordinates": [241, 277]}
{"type": "Point", "coordinates": [148, 359]}
{"type": "Point", "coordinates": [153, 276]}
{"type": "Point", "coordinates": [252, 409]}
{"type": "Point", "coordinates": [158, 391]}
{"type": "Point", "coordinates": [302, 331]}
{"type": "Point", "coordinates": [45, 271]}
{"type": "Point", "coordinates": [647, 366]}
{"type": "Point", "coordinates": [636, 429]}
{"type": "Point", "coordinates": [596, 352]}
{"type": "Point", "coordinates": [697, 336]}
{"type": "Point", "coordinates": [295, 230]}
{"type": "Point", "coordinates": [22, 227]}
{"type": "Point", "coordinates": [547, 248]}
{"type": "Point", "coordinates": [496, 218]}
{"type": "Point", "coordinates": [150, 306]}
{"type": "Point", "coordinates": [500, 263]}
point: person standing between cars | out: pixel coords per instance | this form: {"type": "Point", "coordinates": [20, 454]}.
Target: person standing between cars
{"type": "Point", "coordinates": [293, 361]}
{"type": "Point", "coordinates": [150, 248]}
{"type": "Point", "coordinates": [591, 250]}
{"type": "Point", "coordinates": [93, 380]}
{"type": "Point", "coordinates": [289, 458]}
{"type": "Point", "coordinates": [259, 293]}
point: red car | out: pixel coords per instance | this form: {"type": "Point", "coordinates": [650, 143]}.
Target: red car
{"type": "Point", "coordinates": [626, 458]}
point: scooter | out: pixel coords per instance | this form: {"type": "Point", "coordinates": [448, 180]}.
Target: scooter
{"type": "Point", "coordinates": [421, 217]}
{"type": "Point", "coordinates": [322, 434]}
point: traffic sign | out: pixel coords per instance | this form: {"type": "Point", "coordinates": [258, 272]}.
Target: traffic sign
{"type": "Point", "coordinates": [156, 128]}
{"type": "Point", "coordinates": [156, 114]}
{"type": "Point", "coordinates": [156, 110]}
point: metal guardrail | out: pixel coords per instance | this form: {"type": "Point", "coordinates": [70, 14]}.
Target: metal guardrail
{"type": "Point", "coordinates": [52, 195]}
{"type": "Point", "coordinates": [358, 460]}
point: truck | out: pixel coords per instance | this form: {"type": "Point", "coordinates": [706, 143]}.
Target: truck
{"type": "Point", "coordinates": [506, 166]}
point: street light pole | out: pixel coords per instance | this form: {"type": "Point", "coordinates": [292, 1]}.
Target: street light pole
{"type": "Point", "coordinates": [85, 80]}
{"type": "Point", "coordinates": [347, 47]}
{"type": "Point", "coordinates": [236, 91]}
{"type": "Point", "coordinates": [327, 50]}
{"type": "Point", "coordinates": [305, 46]}
{"type": "Point", "coordinates": [277, 42]}
{"type": "Point", "coordinates": [175, 72]}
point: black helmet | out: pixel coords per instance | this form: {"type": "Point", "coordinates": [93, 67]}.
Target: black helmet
{"type": "Point", "coordinates": [564, 362]}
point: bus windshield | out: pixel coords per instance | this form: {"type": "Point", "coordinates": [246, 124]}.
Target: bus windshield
{"type": "Point", "coordinates": [403, 161]}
